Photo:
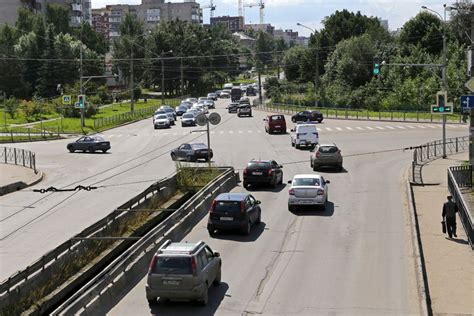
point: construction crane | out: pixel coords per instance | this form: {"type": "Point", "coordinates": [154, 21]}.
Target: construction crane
{"type": "Point", "coordinates": [260, 4]}
{"type": "Point", "coordinates": [211, 6]}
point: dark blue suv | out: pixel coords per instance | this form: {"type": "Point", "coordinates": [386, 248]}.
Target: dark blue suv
{"type": "Point", "coordinates": [234, 211]}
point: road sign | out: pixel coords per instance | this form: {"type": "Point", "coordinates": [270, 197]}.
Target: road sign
{"type": "Point", "coordinates": [446, 109]}
{"type": "Point", "coordinates": [201, 119]}
{"type": "Point", "coordinates": [214, 118]}
{"type": "Point", "coordinates": [470, 84]}
{"type": "Point", "coordinates": [77, 105]}
{"type": "Point", "coordinates": [67, 99]}
{"type": "Point", "coordinates": [467, 101]}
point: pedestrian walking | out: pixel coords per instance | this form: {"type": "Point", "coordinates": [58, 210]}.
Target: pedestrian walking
{"type": "Point", "coordinates": [449, 216]}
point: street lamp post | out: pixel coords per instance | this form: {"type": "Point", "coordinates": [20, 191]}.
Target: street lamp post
{"type": "Point", "coordinates": [444, 84]}
{"type": "Point", "coordinates": [132, 78]}
{"type": "Point", "coordinates": [316, 79]}
{"type": "Point", "coordinates": [163, 75]}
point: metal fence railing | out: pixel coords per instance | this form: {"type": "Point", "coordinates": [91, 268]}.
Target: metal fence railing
{"type": "Point", "coordinates": [364, 114]}
{"type": "Point", "coordinates": [130, 116]}
{"type": "Point", "coordinates": [460, 177]}
{"type": "Point", "coordinates": [19, 157]}
{"type": "Point", "coordinates": [19, 134]}
{"type": "Point", "coordinates": [434, 150]}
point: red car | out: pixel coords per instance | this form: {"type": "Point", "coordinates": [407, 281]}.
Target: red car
{"type": "Point", "coordinates": [275, 123]}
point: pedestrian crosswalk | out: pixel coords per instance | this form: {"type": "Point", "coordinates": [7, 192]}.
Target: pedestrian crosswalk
{"type": "Point", "coordinates": [321, 128]}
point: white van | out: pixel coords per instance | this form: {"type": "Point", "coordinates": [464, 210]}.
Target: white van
{"type": "Point", "coordinates": [304, 135]}
{"type": "Point", "coordinates": [228, 86]}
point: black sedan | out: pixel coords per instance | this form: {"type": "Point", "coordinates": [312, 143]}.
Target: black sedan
{"type": "Point", "coordinates": [191, 152]}
{"type": "Point", "coordinates": [307, 116]}
{"type": "Point", "coordinates": [232, 108]}
{"type": "Point", "coordinates": [90, 144]}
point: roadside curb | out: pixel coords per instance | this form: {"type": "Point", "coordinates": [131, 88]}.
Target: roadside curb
{"type": "Point", "coordinates": [19, 185]}
{"type": "Point", "coordinates": [420, 267]}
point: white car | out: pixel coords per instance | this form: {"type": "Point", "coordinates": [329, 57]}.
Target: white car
{"type": "Point", "coordinates": [201, 107]}
{"type": "Point", "coordinates": [308, 189]}
{"type": "Point", "coordinates": [304, 135]}
{"type": "Point", "coordinates": [161, 121]}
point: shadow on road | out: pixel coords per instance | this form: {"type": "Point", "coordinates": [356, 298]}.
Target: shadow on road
{"type": "Point", "coordinates": [216, 295]}
{"type": "Point", "coordinates": [265, 188]}
{"type": "Point", "coordinates": [458, 240]}
{"type": "Point", "coordinates": [330, 169]}
{"type": "Point", "coordinates": [315, 210]}
{"type": "Point", "coordinates": [235, 235]}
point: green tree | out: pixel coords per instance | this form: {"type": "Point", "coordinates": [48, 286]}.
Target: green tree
{"type": "Point", "coordinates": [11, 69]}
{"type": "Point", "coordinates": [264, 48]}
{"type": "Point", "coordinates": [49, 72]}
{"type": "Point", "coordinates": [59, 16]}
{"type": "Point", "coordinates": [11, 106]}
{"type": "Point", "coordinates": [424, 30]}
{"type": "Point", "coordinates": [92, 39]}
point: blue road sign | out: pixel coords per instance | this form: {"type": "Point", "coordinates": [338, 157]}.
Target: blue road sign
{"type": "Point", "coordinates": [467, 101]}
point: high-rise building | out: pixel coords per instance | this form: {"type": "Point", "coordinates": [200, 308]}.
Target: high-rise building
{"type": "Point", "coordinates": [233, 23]}
{"type": "Point", "coordinates": [384, 23]}
{"type": "Point", "coordinates": [100, 21]}
{"type": "Point", "coordinates": [261, 27]}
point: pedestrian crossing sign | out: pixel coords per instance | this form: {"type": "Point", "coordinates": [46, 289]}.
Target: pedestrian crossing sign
{"type": "Point", "coordinates": [66, 99]}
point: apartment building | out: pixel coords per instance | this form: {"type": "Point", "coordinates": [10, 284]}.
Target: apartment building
{"type": "Point", "coordinates": [100, 21]}
{"type": "Point", "coordinates": [233, 23]}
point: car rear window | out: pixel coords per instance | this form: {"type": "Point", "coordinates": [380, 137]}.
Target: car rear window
{"type": "Point", "coordinates": [161, 117]}
{"type": "Point", "coordinates": [188, 115]}
{"type": "Point", "coordinates": [328, 149]}
{"type": "Point", "coordinates": [198, 146]}
{"type": "Point", "coordinates": [306, 182]}
{"type": "Point", "coordinates": [276, 118]}
{"type": "Point", "coordinates": [258, 165]}
{"type": "Point", "coordinates": [172, 265]}
{"type": "Point", "coordinates": [98, 138]}
{"type": "Point", "coordinates": [227, 206]}
{"type": "Point", "coordinates": [306, 129]}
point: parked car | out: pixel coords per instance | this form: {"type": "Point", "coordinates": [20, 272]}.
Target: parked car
{"type": "Point", "coordinates": [89, 143]}
{"type": "Point", "coordinates": [212, 96]}
{"type": "Point", "coordinates": [191, 152]}
{"type": "Point", "coordinates": [267, 172]}
{"type": "Point", "coordinates": [326, 155]}
{"type": "Point", "coordinates": [180, 110]}
{"type": "Point", "coordinates": [307, 116]}
{"type": "Point", "coordinates": [188, 119]}
{"type": "Point", "coordinates": [275, 123]}
{"type": "Point", "coordinates": [304, 135]}
{"type": "Point", "coordinates": [161, 121]}
{"type": "Point", "coordinates": [232, 108]}
{"type": "Point", "coordinates": [308, 190]}
{"type": "Point", "coordinates": [183, 270]}
{"type": "Point", "coordinates": [231, 211]}
{"type": "Point", "coordinates": [244, 110]}
{"type": "Point", "coordinates": [201, 107]}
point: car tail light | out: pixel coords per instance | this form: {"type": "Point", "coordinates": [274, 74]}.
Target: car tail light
{"type": "Point", "coordinates": [152, 264]}
{"type": "Point", "coordinates": [245, 171]}
{"type": "Point", "coordinates": [242, 206]}
{"type": "Point", "coordinates": [318, 154]}
{"type": "Point", "coordinates": [193, 265]}
{"type": "Point", "coordinates": [213, 206]}
{"type": "Point", "coordinates": [291, 192]}
{"type": "Point", "coordinates": [320, 192]}
{"type": "Point", "coordinates": [270, 172]}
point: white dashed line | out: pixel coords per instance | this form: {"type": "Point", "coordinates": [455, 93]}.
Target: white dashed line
{"type": "Point", "coordinates": [240, 132]}
{"type": "Point", "coordinates": [359, 128]}
{"type": "Point", "coordinates": [212, 132]}
{"type": "Point", "coordinates": [221, 132]}
{"type": "Point", "coordinates": [421, 126]}
{"type": "Point", "coordinates": [409, 126]}
{"type": "Point", "coordinates": [379, 127]}
{"type": "Point", "coordinates": [249, 131]}
{"type": "Point", "coordinates": [119, 135]}
{"type": "Point", "coordinates": [431, 126]}
{"type": "Point", "coordinates": [110, 136]}
{"type": "Point", "coordinates": [368, 127]}
{"type": "Point", "coordinates": [259, 131]}
{"type": "Point", "coordinates": [339, 129]}
{"type": "Point", "coordinates": [400, 127]}
{"type": "Point", "coordinates": [389, 127]}
{"type": "Point", "coordinates": [349, 128]}
{"type": "Point", "coordinates": [328, 129]}
{"type": "Point", "coordinates": [174, 134]}
{"type": "Point", "coordinates": [231, 132]}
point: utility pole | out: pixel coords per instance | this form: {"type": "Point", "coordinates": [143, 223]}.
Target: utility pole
{"type": "Point", "coordinates": [471, 111]}
{"type": "Point", "coordinates": [445, 85]}
{"type": "Point", "coordinates": [316, 79]}
{"type": "Point", "coordinates": [260, 97]}
{"type": "Point", "coordinates": [182, 79]}
{"type": "Point", "coordinates": [132, 84]}
{"type": "Point", "coordinates": [162, 79]}
{"type": "Point", "coordinates": [80, 68]}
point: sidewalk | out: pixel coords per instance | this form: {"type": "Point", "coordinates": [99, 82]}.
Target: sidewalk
{"type": "Point", "coordinates": [14, 178]}
{"type": "Point", "coordinates": [449, 263]}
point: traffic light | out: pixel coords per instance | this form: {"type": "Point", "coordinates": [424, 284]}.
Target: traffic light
{"type": "Point", "coordinates": [376, 70]}
{"type": "Point", "coordinates": [81, 100]}
{"type": "Point", "coordinates": [442, 105]}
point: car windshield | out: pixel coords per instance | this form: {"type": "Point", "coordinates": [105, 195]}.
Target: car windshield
{"type": "Point", "coordinates": [258, 165]}
{"type": "Point", "coordinates": [172, 265]}
{"type": "Point", "coordinates": [306, 182]}
{"type": "Point", "coordinates": [199, 146]}
{"type": "Point", "coordinates": [168, 110]}
{"type": "Point", "coordinates": [328, 149]}
{"type": "Point", "coordinates": [161, 117]}
{"type": "Point", "coordinates": [99, 138]}
{"type": "Point", "coordinates": [188, 115]}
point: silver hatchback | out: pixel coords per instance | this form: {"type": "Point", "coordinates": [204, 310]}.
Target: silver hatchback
{"type": "Point", "coordinates": [326, 155]}
{"type": "Point", "coordinates": [183, 271]}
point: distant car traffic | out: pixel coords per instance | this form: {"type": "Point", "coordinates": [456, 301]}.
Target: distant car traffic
{"type": "Point", "coordinates": [225, 94]}
{"type": "Point", "coordinates": [169, 114]}
{"type": "Point", "coordinates": [191, 152]}
{"type": "Point", "coordinates": [180, 110]}
{"type": "Point", "coordinates": [183, 271]}
{"type": "Point", "coordinates": [244, 110]}
{"type": "Point", "coordinates": [90, 144]}
{"type": "Point", "coordinates": [267, 172]}
{"type": "Point", "coordinates": [212, 96]}
{"type": "Point", "coordinates": [232, 108]}
{"type": "Point", "coordinates": [307, 190]}
{"type": "Point", "coordinates": [307, 116]}
{"type": "Point", "coordinates": [188, 119]}
{"type": "Point", "coordinates": [304, 135]}
{"type": "Point", "coordinates": [161, 121]}
{"type": "Point", "coordinates": [326, 155]}
{"type": "Point", "coordinates": [275, 123]}
{"type": "Point", "coordinates": [235, 94]}
{"type": "Point", "coordinates": [234, 211]}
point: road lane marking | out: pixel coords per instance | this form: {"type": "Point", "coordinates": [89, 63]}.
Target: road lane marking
{"type": "Point", "coordinates": [249, 131]}
{"type": "Point", "coordinates": [409, 126]}
{"type": "Point", "coordinates": [339, 129]}
{"type": "Point", "coordinates": [221, 132]}
{"type": "Point", "coordinates": [400, 127]}
{"type": "Point", "coordinates": [359, 128]}
{"type": "Point", "coordinates": [259, 131]}
{"type": "Point", "coordinates": [174, 134]}
{"type": "Point", "coordinates": [368, 127]}
{"type": "Point", "coordinates": [379, 127]}
{"type": "Point", "coordinates": [212, 132]}
{"type": "Point", "coordinates": [349, 128]}
{"type": "Point", "coordinates": [110, 136]}
{"type": "Point", "coordinates": [119, 135]}
{"type": "Point", "coordinates": [431, 126]}
{"type": "Point", "coordinates": [231, 132]}
{"type": "Point", "coordinates": [421, 126]}
{"type": "Point", "coordinates": [389, 127]}
{"type": "Point", "coordinates": [240, 132]}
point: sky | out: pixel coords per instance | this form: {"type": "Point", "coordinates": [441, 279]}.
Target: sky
{"type": "Point", "coordinates": [285, 14]}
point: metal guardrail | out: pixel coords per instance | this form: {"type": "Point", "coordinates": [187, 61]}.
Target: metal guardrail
{"type": "Point", "coordinates": [19, 157]}
{"type": "Point", "coordinates": [130, 116]}
{"type": "Point", "coordinates": [434, 150]}
{"type": "Point", "coordinates": [13, 135]}
{"type": "Point", "coordinates": [49, 258]}
{"type": "Point", "coordinates": [364, 114]}
{"type": "Point", "coordinates": [460, 177]}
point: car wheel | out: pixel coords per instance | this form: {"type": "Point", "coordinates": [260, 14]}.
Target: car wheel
{"type": "Point", "coordinates": [274, 183]}
{"type": "Point", "coordinates": [71, 150]}
{"type": "Point", "coordinates": [205, 296]}
{"type": "Point", "coordinates": [339, 168]}
{"type": "Point", "coordinates": [281, 179]}
{"type": "Point", "coordinates": [189, 158]}
{"type": "Point", "coordinates": [319, 121]}
{"type": "Point", "coordinates": [291, 208]}
{"type": "Point", "coordinates": [315, 167]}
{"type": "Point", "coordinates": [246, 229]}
{"type": "Point", "coordinates": [151, 300]}
{"type": "Point", "coordinates": [297, 146]}
{"type": "Point", "coordinates": [259, 218]}
{"type": "Point", "coordinates": [246, 184]}
{"type": "Point", "coordinates": [212, 232]}
{"type": "Point", "coordinates": [90, 149]}
{"type": "Point", "coordinates": [311, 163]}
{"type": "Point", "coordinates": [155, 127]}
{"type": "Point", "coordinates": [173, 156]}
{"type": "Point", "coordinates": [217, 280]}
{"type": "Point", "coordinates": [292, 144]}
{"type": "Point", "coordinates": [104, 150]}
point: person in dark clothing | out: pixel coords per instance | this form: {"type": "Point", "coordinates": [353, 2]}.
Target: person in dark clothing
{"type": "Point", "coordinates": [449, 212]}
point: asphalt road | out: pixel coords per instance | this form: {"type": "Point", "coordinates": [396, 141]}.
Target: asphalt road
{"type": "Point", "coordinates": [353, 258]}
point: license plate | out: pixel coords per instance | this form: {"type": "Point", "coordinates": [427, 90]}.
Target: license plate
{"type": "Point", "coordinates": [170, 282]}
{"type": "Point", "coordinates": [227, 218]}
{"type": "Point", "coordinates": [305, 202]}
{"type": "Point", "coordinates": [278, 126]}
{"type": "Point", "coordinates": [257, 173]}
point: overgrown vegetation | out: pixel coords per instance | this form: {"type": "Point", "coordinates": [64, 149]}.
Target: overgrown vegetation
{"type": "Point", "coordinates": [192, 179]}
